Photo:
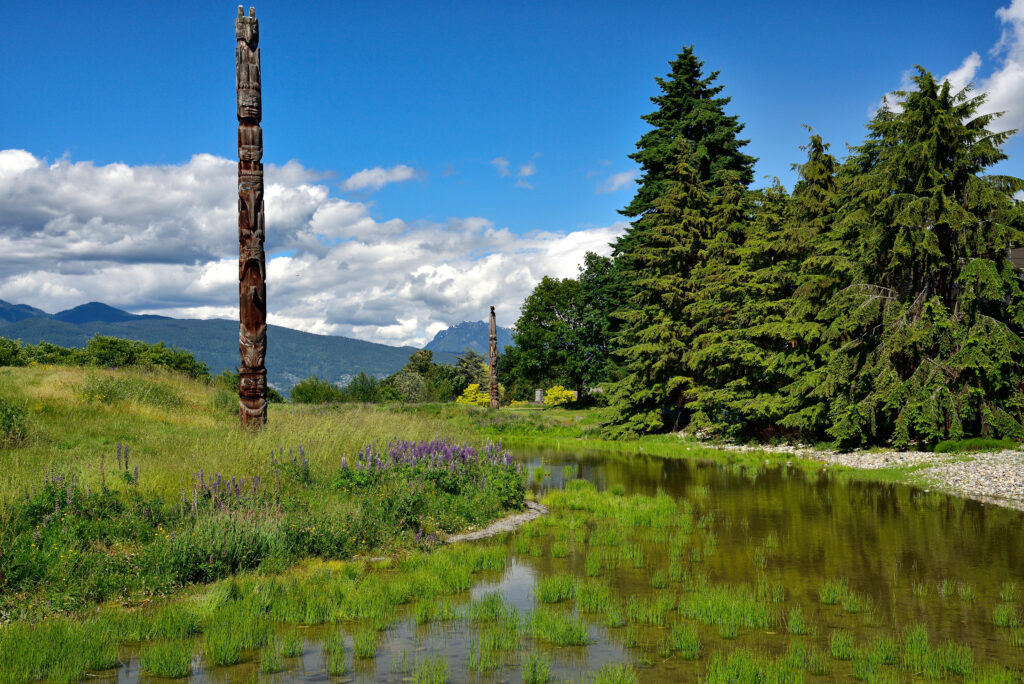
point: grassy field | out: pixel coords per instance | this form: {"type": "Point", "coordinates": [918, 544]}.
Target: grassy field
{"type": "Point", "coordinates": [135, 483]}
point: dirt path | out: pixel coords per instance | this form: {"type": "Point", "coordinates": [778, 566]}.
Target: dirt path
{"type": "Point", "coordinates": [507, 524]}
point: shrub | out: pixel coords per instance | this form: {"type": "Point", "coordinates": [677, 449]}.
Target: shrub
{"type": "Point", "coordinates": [12, 421]}
{"type": "Point", "coordinates": [314, 390]}
{"type": "Point", "coordinates": [474, 396]}
{"type": "Point", "coordinates": [558, 395]}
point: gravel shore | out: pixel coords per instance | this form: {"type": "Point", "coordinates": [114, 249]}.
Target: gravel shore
{"type": "Point", "coordinates": [993, 478]}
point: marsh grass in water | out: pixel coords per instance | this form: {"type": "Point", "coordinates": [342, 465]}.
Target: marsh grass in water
{"type": "Point", "coordinates": [167, 659]}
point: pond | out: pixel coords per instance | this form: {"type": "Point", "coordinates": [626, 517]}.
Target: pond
{"type": "Point", "coordinates": [805, 572]}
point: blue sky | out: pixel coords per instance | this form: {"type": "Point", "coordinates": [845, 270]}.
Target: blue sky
{"type": "Point", "coordinates": [503, 128]}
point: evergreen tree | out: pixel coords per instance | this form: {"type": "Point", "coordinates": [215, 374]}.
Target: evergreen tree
{"type": "Point", "coordinates": [656, 336]}
{"type": "Point", "coordinates": [925, 343]}
{"type": "Point", "coordinates": [690, 107]}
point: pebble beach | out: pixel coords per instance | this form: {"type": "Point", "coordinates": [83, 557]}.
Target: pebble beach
{"type": "Point", "coordinates": [993, 478]}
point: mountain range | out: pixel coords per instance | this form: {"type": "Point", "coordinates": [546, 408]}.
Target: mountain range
{"type": "Point", "coordinates": [291, 355]}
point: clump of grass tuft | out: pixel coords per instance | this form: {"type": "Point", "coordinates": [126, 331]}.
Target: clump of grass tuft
{"type": "Point", "coordinates": [686, 641]}
{"type": "Point", "coordinates": [659, 580]}
{"type": "Point", "coordinates": [293, 644]}
{"type": "Point", "coordinates": [559, 549]}
{"type": "Point", "coordinates": [616, 674]}
{"type": "Point", "coordinates": [167, 659]}
{"type": "Point", "coordinates": [558, 628]}
{"type": "Point", "coordinates": [840, 642]}
{"type": "Point", "coordinates": [430, 671]}
{"type": "Point", "coordinates": [334, 653]}
{"type": "Point", "coordinates": [1004, 615]}
{"type": "Point", "coordinates": [817, 663]}
{"type": "Point", "coordinates": [592, 565]}
{"type": "Point", "coordinates": [796, 623]}
{"type": "Point", "coordinates": [555, 588]}
{"type": "Point", "coordinates": [833, 591]}
{"type": "Point", "coordinates": [1007, 592]}
{"type": "Point", "coordinates": [222, 645]}
{"type": "Point", "coordinates": [536, 669]}
{"type": "Point", "coordinates": [272, 661]}
{"type": "Point", "coordinates": [965, 590]}
{"type": "Point", "coordinates": [364, 643]}
{"type": "Point", "coordinates": [593, 597]}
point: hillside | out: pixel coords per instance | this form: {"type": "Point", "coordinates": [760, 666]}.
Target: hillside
{"type": "Point", "coordinates": [291, 356]}
{"type": "Point", "coordinates": [472, 334]}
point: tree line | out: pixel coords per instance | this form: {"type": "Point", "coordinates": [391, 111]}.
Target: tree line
{"type": "Point", "coordinates": [875, 303]}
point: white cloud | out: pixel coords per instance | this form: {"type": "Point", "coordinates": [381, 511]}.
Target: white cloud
{"type": "Point", "coordinates": [377, 177]}
{"type": "Point", "coordinates": [1004, 86]}
{"type": "Point", "coordinates": [501, 164]}
{"type": "Point", "coordinates": [615, 182]}
{"type": "Point", "coordinates": [527, 169]}
{"type": "Point", "coordinates": [163, 239]}
{"type": "Point", "coordinates": [524, 184]}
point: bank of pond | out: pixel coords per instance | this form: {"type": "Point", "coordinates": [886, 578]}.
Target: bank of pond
{"type": "Point", "coordinates": [645, 569]}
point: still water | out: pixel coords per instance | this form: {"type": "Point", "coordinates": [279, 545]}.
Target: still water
{"type": "Point", "coordinates": [914, 557]}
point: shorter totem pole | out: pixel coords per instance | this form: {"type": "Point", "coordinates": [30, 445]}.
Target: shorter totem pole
{"type": "Point", "coordinates": [493, 349]}
{"type": "Point", "coordinates": [252, 266]}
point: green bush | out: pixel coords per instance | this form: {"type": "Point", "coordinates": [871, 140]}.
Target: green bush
{"type": "Point", "coordinates": [104, 352]}
{"type": "Point", "coordinates": [13, 422]}
{"type": "Point", "coordinates": [314, 390]}
{"type": "Point", "coordinates": [558, 395]}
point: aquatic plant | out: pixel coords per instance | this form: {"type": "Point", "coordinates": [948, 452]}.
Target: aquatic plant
{"type": "Point", "coordinates": [364, 643]}
{"type": "Point", "coordinates": [167, 659]}
{"type": "Point", "coordinates": [1005, 615]}
{"type": "Point", "coordinates": [536, 669]}
{"type": "Point", "coordinates": [555, 588]}
{"type": "Point", "coordinates": [271, 659]}
{"type": "Point", "coordinates": [840, 643]}
{"type": "Point", "coordinates": [430, 671]}
{"type": "Point", "coordinates": [796, 623]}
{"type": "Point", "coordinates": [616, 673]}
{"type": "Point", "coordinates": [293, 644]}
{"type": "Point", "coordinates": [686, 641]}
{"type": "Point", "coordinates": [557, 628]}
{"type": "Point", "coordinates": [334, 654]}
{"type": "Point", "coordinates": [1008, 592]}
{"type": "Point", "coordinates": [833, 591]}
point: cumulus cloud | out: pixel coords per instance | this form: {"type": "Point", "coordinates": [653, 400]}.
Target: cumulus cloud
{"type": "Point", "coordinates": [501, 164]}
{"type": "Point", "coordinates": [527, 169]}
{"type": "Point", "coordinates": [377, 177]}
{"type": "Point", "coordinates": [1004, 85]}
{"type": "Point", "coordinates": [163, 239]}
{"type": "Point", "coordinates": [615, 182]}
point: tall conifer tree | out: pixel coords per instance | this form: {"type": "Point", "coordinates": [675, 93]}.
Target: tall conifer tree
{"type": "Point", "coordinates": [926, 343]}
{"type": "Point", "coordinates": [656, 336]}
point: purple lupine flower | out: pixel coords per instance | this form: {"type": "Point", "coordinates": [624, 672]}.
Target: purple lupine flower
{"type": "Point", "coordinates": [118, 455]}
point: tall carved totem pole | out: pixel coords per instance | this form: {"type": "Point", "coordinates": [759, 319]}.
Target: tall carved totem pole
{"type": "Point", "coordinates": [492, 345]}
{"type": "Point", "coordinates": [252, 266]}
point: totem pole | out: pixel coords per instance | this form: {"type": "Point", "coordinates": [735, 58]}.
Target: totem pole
{"type": "Point", "coordinates": [252, 269]}
{"type": "Point", "coordinates": [493, 348]}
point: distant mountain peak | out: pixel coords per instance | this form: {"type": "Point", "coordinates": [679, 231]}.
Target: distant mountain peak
{"type": "Point", "coordinates": [98, 312]}
{"type": "Point", "coordinates": [471, 334]}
